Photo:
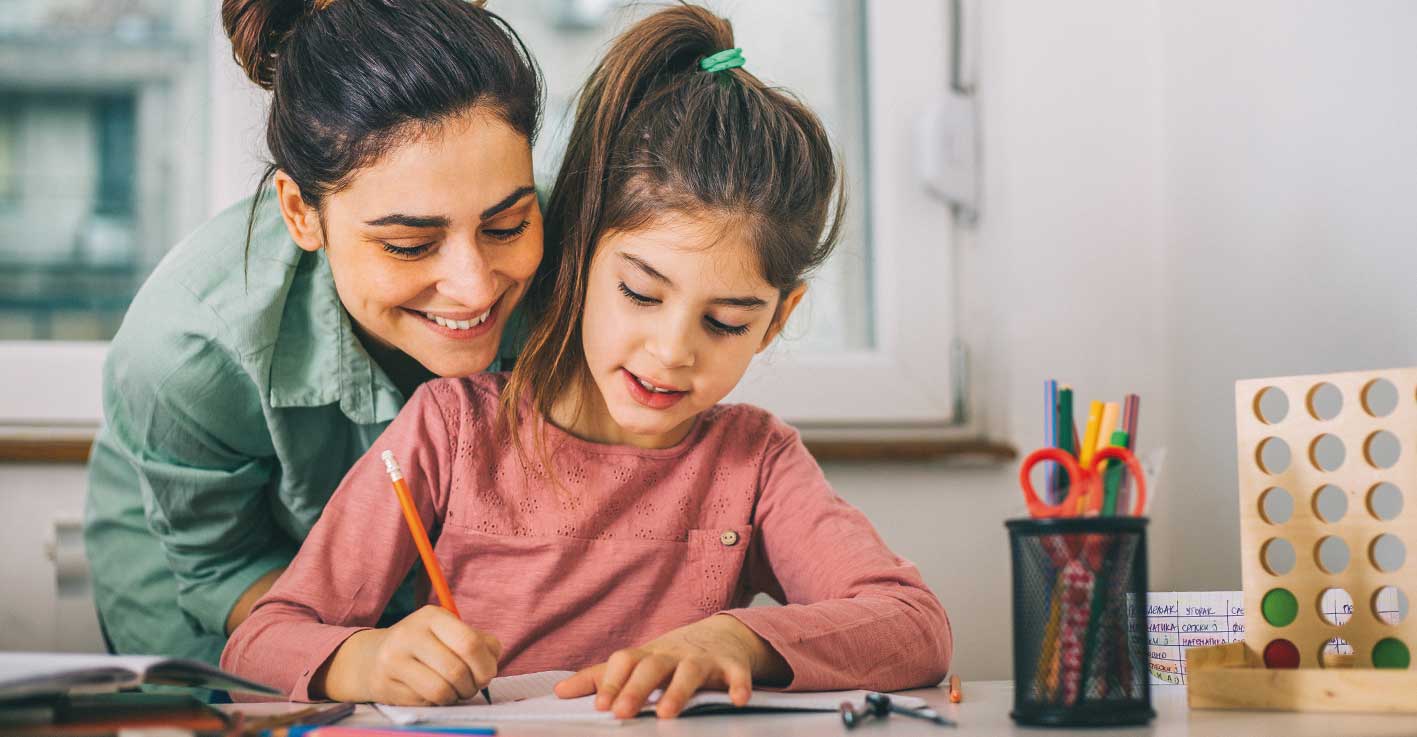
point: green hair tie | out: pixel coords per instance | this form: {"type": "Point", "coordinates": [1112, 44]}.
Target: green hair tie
{"type": "Point", "coordinates": [722, 61]}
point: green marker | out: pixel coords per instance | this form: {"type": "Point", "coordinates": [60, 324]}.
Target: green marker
{"type": "Point", "coordinates": [1112, 477]}
{"type": "Point", "coordinates": [1065, 438]}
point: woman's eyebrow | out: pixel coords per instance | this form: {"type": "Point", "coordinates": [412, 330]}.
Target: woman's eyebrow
{"type": "Point", "coordinates": [411, 221]}
{"type": "Point", "coordinates": [508, 201]}
{"type": "Point", "coordinates": [751, 303]}
{"type": "Point", "coordinates": [441, 221]}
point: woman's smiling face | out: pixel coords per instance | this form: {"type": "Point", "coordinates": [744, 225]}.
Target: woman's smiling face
{"type": "Point", "coordinates": [433, 244]}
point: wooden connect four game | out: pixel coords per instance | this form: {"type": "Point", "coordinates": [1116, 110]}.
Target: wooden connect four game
{"type": "Point", "coordinates": [1325, 462]}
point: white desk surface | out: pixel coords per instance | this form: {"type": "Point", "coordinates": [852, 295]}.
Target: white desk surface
{"type": "Point", "coordinates": [985, 711]}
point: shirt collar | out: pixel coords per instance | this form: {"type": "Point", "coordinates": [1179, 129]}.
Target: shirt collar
{"type": "Point", "coordinates": [318, 359]}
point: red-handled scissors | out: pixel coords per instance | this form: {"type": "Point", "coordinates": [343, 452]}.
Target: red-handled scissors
{"type": "Point", "coordinates": [1085, 482]}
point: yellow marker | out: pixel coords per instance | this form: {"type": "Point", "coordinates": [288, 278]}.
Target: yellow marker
{"type": "Point", "coordinates": [1089, 444]}
{"type": "Point", "coordinates": [1089, 434]}
{"type": "Point", "coordinates": [1111, 412]}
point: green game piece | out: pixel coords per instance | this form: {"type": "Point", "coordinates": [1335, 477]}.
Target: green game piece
{"type": "Point", "coordinates": [1279, 607]}
{"type": "Point", "coordinates": [1391, 653]}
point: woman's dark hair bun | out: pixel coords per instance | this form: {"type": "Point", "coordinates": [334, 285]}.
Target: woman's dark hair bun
{"type": "Point", "coordinates": [256, 29]}
{"type": "Point", "coordinates": [353, 79]}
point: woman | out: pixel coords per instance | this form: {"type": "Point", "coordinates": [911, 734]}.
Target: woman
{"type": "Point", "coordinates": [272, 346]}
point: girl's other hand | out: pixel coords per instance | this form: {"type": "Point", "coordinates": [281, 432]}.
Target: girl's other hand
{"type": "Point", "coordinates": [718, 653]}
{"type": "Point", "coordinates": [430, 657]}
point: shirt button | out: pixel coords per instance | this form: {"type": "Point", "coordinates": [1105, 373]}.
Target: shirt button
{"type": "Point", "coordinates": [728, 538]}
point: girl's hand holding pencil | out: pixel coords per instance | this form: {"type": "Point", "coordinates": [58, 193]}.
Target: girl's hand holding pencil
{"type": "Point", "coordinates": [430, 657]}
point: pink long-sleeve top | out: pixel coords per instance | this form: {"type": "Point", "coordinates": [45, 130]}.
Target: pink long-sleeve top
{"type": "Point", "coordinates": [632, 543]}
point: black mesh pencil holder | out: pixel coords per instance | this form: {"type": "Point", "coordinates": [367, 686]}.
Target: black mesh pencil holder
{"type": "Point", "coordinates": [1080, 621]}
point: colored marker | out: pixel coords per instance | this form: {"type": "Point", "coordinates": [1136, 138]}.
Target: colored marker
{"type": "Point", "coordinates": [1050, 435]}
{"type": "Point", "coordinates": [1067, 437]}
{"type": "Point", "coordinates": [1089, 445]}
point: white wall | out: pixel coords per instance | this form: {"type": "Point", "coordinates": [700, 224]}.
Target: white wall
{"type": "Point", "coordinates": [1202, 191]}
{"type": "Point", "coordinates": [40, 608]}
{"type": "Point", "coordinates": [1290, 167]}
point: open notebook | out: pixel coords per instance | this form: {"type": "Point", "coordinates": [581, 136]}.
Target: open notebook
{"type": "Point", "coordinates": [530, 698]}
{"type": "Point", "coordinates": [24, 675]}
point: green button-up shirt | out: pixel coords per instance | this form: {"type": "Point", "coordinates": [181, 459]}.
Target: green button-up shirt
{"type": "Point", "coordinates": [233, 404]}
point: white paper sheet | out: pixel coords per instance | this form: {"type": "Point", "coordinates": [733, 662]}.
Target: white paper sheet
{"type": "Point", "coordinates": [530, 698]}
{"type": "Point", "coordinates": [510, 689]}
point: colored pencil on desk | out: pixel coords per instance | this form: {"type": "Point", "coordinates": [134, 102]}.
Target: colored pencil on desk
{"type": "Point", "coordinates": [295, 723]}
{"type": "Point", "coordinates": [420, 540]}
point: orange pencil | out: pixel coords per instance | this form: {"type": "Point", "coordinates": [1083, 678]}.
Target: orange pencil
{"type": "Point", "coordinates": [956, 690]}
{"type": "Point", "coordinates": [420, 540]}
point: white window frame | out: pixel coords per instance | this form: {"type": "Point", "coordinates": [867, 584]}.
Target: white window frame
{"type": "Point", "coordinates": [905, 382]}
{"type": "Point", "coordinates": [49, 385]}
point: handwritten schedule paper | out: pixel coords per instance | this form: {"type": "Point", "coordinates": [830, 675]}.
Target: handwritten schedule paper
{"type": "Point", "coordinates": [1178, 620]}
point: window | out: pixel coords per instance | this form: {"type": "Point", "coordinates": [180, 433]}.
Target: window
{"type": "Point", "coordinates": [101, 141]}
{"type": "Point", "coordinates": [874, 333]}
{"type": "Point", "coordinates": [9, 159]}
{"type": "Point", "coordinates": [91, 96]}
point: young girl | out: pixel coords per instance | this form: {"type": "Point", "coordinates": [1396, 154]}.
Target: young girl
{"type": "Point", "coordinates": [599, 509]}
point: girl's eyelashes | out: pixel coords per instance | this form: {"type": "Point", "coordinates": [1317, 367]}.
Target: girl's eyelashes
{"type": "Point", "coordinates": [714, 325]}
{"type": "Point", "coordinates": [506, 234]}
{"type": "Point", "coordinates": [723, 329]}
{"type": "Point", "coordinates": [408, 251]}
{"type": "Point", "coordinates": [636, 297]}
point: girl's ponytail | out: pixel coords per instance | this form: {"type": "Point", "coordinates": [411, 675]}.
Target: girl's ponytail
{"type": "Point", "coordinates": [653, 54]}
{"type": "Point", "coordinates": [655, 134]}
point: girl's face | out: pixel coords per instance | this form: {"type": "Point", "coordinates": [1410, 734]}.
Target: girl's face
{"type": "Point", "coordinates": [674, 313]}
{"type": "Point", "coordinates": [433, 245]}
